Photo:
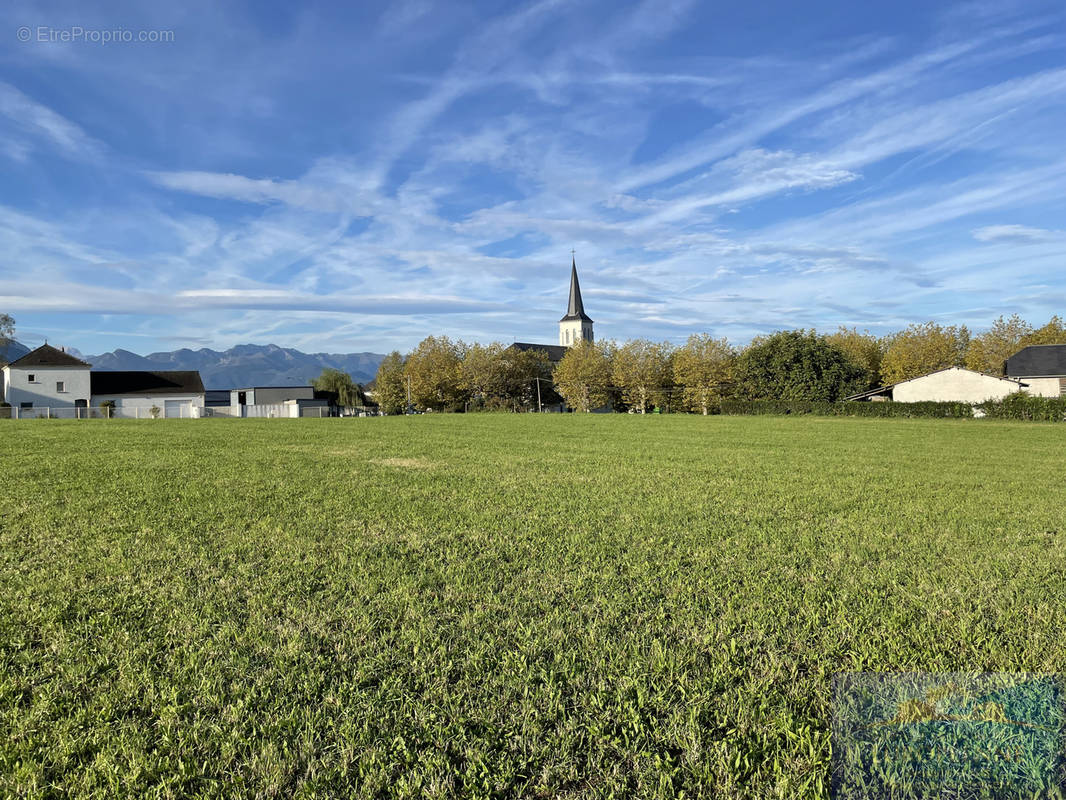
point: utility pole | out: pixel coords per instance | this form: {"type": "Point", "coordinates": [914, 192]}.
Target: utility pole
{"type": "Point", "coordinates": [540, 409]}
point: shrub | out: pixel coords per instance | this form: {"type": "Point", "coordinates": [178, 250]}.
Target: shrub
{"type": "Point", "coordinates": [154, 411]}
{"type": "Point", "coordinates": [848, 409]}
{"type": "Point", "coordinates": [108, 407]}
{"type": "Point", "coordinates": [1026, 407]}
{"type": "Point", "coordinates": [793, 365]}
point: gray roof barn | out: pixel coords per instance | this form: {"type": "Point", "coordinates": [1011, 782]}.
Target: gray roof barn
{"type": "Point", "coordinates": [1038, 361]}
{"type": "Point", "coordinates": [148, 383]}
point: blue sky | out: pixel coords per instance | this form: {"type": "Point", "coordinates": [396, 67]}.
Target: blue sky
{"type": "Point", "coordinates": [357, 176]}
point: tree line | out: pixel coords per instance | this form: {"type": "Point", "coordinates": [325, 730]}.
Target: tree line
{"type": "Point", "coordinates": [639, 375]}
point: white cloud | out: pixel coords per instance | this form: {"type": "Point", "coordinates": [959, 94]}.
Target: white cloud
{"type": "Point", "coordinates": [1014, 233]}
{"type": "Point", "coordinates": [43, 124]}
{"type": "Point", "coordinates": [819, 191]}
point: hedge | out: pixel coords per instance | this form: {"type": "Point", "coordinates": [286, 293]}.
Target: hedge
{"type": "Point", "coordinates": [847, 409]}
{"type": "Point", "coordinates": [1022, 406]}
{"type": "Point", "coordinates": [1016, 406]}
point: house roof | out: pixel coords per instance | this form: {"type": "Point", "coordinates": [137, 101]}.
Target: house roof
{"type": "Point", "coordinates": [256, 388]}
{"type": "Point", "coordinates": [871, 393]}
{"type": "Point", "coordinates": [1038, 361]}
{"type": "Point", "coordinates": [48, 356]}
{"type": "Point", "coordinates": [889, 387]}
{"type": "Point", "coordinates": [576, 308]}
{"type": "Point", "coordinates": [146, 382]}
{"type": "Point", "coordinates": [555, 352]}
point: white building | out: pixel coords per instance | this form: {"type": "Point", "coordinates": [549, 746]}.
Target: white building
{"type": "Point", "coordinates": [47, 378]}
{"type": "Point", "coordinates": [1042, 367]}
{"type": "Point", "coordinates": [175, 393]}
{"type": "Point", "coordinates": [275, 401]}
{"type": "Point", "coordinates": [950, 385]}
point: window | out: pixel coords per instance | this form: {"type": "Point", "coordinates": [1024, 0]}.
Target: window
{"type": "Point", "coordinates": [61, 386]}
{"type": "Point", "coordinates": [33, 378]}
{"type": "Point", "coordinates": [25, 405]}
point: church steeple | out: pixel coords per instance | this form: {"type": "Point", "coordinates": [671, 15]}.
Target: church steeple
{"type": "Point", "coordinates": [576, 325]}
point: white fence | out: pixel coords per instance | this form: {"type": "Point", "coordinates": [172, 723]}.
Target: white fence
{"type": "Point", "coordinates": [184, 411]}
{"type": "Point", "coordinates": [267, 411]}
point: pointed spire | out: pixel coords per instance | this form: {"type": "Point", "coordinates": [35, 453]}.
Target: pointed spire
{"type": "Point", "coordinates": [576, 309]}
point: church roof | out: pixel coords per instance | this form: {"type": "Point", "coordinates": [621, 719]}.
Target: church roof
{"type": "Point", "coordinates": [576, 309]}
{"type": "Point", "coordinates": [555, 352]}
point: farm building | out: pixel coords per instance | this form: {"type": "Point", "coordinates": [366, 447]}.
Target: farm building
{"type": "Point", "coordinates": [47, 378]}
{"type": "Point", "coordinates": [1042, 367]}
{"type": "Point", "coordinates": [953, 384]}
{"type": "Point", "coordinates": [281, 401]}
{"type": "Point", "coordinates": [174, 393]}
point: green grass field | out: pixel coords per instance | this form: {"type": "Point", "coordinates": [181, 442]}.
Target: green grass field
{"type": "Point", "coordinates": [499, 606]}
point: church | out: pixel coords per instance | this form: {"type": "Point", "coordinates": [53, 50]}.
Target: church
{"type": "Point", "coordinates": [575, 327]}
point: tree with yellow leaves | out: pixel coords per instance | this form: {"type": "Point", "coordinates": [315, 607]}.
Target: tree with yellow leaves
{"type": "Point", "coordinates": [923, 348]}
{"type": "Point", "coordinates": [583, 376]}
{"type": "Point", "coordinates": [703, 370]}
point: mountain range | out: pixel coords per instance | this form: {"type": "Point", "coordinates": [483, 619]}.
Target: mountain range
{"type": "Point", "coordinates": [243, 365]}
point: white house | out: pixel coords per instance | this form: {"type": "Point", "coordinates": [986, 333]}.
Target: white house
{"type": "Point", "coordinates": [174, 393]}
{"type": "Point", "coordinates": [281, 401]}
{"type": "Point", "coordinates": [47, 378]}
{"type": "Point", "coordinates": [953, 384]}
{"type": "Point", "coordinates": [1042, 367]}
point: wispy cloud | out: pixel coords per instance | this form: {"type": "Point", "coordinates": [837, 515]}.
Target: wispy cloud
{"type": "Point", "coordinates": [427, 168]}
{"type": "Point", "coordinates": [1015, 233]}
{"type": "Point", "coordinates": [31, 125]}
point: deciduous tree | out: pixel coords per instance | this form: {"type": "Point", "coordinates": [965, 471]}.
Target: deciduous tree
{"type": "Point", "coordinates": [7, 333]}
{"type": "Point", "coordinates": [988, 351]}
{"type": "Point", "coordinates": [521, 369]}
{"type": "Point", "coordinates": [641, 372]}
{"type": "Point", "coordinates": [390, 384]}
{"type": "Point", "coordinates": [863, 349]}
{"type": "Point", "coordinates": [434, 368]}
{"type": "Point", "coordinates": [796, 365]}
{"type": "Point", "coordinates": [481, 373]}
{"type": "Point", "coordinates": [923, 348]}
{"type": "Point", "coordinates": [349, 393]}
{"type": "Point", "coordinates": [583, 376]}
{"type": "Point", "coordinates": [1052, 333]}
{"type": "Point", "coordinates": [703, 370]}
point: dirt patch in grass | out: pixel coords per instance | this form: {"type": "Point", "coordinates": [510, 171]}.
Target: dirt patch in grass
{"type": "Point", "coordinates": [403, 463]}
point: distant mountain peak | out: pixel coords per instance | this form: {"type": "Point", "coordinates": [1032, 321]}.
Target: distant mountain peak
{"type": "Point", "coordinates": [246, 364]}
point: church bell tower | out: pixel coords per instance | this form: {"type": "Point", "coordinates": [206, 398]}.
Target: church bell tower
{"type": "Point", "coordinates": [576, 325]}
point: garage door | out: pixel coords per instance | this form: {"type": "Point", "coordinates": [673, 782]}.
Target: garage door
{"type": "Point", "coordinates": [176, 409]}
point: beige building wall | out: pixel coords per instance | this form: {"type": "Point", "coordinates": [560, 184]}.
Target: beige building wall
{"type": "Point", "coordinates": [1043, 387]}
{"type": "Point", "coordinates": [954, 385]}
